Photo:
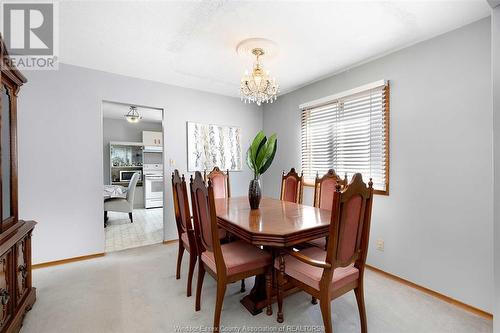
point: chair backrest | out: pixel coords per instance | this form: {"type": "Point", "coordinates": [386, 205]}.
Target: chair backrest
{"type": "Point", "coordinates": [181, 203]}
{"type": "Point", "coordinates": [350, 224]}
{"type": "Point", "coordinates": [205, 220]}
{"type": "Point", "coordinates": [131, 187]}
{"type": "Point", "coordinates": [220, 182]}
{"type": "Point", "coordinates": [292, 186]}
{"type": "Point", "coordinates": [324, 188]}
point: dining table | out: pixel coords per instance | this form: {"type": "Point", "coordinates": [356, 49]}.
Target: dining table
{"type": "Point", "coordinates": [274, 226]}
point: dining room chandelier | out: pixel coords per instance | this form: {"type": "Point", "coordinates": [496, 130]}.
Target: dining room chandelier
{"type": "Point", "coordinates": [258, 87]}
{"type": "Point", "coordinates": [133, 115]}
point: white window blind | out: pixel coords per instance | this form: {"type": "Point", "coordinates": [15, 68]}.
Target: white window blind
{"type": "Point", "coordinates": [348, 133]}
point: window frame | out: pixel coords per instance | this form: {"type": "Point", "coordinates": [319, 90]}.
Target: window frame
{"type": "Point", "coordinates": [332, 98]}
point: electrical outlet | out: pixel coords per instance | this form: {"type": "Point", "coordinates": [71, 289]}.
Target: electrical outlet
{"type": "Point", "coordinates": [380, 244]}
{"type": "Point", "coordinates": [172, 162]}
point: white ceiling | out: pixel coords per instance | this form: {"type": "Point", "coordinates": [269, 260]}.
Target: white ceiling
{"type": "Point", "coordinates": [119, 110]}
{"type": "Point", "coordinates": [192, 44]}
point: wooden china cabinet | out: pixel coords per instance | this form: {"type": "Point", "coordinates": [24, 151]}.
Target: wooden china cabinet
{"type": "Point", "coordinates": [16, 293]}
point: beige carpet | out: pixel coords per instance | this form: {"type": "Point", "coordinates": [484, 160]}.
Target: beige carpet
{"type": "Point", "coordinates": [135, 291]}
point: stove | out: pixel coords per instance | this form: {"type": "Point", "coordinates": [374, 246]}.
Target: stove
{"type": "Point", "coordinates": [153, 185]}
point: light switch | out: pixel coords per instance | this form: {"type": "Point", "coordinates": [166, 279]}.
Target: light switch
{"type": "Point", "coordinates": [380, 244]}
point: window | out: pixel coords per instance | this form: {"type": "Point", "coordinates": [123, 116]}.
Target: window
{"type": "Point", "coordinates": [348, 132]}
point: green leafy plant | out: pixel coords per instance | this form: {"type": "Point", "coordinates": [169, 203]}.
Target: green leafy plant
{"type": "Point", "coordinates": [261, 153]}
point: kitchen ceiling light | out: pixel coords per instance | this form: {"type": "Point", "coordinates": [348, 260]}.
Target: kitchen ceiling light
{"type": "Point", "coordinates": [133, 115]}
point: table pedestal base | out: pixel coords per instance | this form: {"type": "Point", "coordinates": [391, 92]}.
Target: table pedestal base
{"type": "Point", "coordinates": [256, 300]}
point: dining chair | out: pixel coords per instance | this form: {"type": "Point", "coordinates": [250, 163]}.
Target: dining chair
{"type": "Point", "coordinates": [123, 205]}
{"type": "Point", "coordinates": [220, 182]}
{"type": "Point", "coordinates": [324, 188]}
{"type": "Point", "coordinates": [292, 186]}
{"type": "Point", "coordinates": [329, 274]}
{"type": "Point", "coordinates": [226, 263]}
{"type": "Point", "coordinates": [185, 229]}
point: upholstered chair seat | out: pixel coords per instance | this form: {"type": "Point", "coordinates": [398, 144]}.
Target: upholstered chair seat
{"type": "Point", "coordinates": [311, 276]}
{"type": "Point", "coordinates": [239, 257]}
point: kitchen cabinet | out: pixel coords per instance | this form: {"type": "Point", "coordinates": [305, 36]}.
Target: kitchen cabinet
{"type": "Point", "coordinates": [150, 138]}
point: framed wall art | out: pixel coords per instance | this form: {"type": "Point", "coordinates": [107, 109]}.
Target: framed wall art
{"type": "Point", "coordinates": [213, 145]}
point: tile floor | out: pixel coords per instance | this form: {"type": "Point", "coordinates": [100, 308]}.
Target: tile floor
{"type": "Point", "coordinates": [147, 229]}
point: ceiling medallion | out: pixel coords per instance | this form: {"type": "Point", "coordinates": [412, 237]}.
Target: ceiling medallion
{"type": "Point", "coordinates": [258, 86]}
{"type": "Point", "coordinates": [133, 115]}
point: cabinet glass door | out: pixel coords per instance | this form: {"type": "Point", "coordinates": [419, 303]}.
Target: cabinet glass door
{"type": "Point", "coordinates": [5, 148]}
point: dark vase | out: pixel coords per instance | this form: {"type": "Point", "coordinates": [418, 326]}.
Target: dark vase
{"type": "Point", "coordinates": [254, 193]}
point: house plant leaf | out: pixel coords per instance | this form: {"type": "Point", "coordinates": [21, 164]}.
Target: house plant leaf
{"type": "Point", "coordinates": [271, 147]}
{"type": "Point", "coordinates": [260, 155]}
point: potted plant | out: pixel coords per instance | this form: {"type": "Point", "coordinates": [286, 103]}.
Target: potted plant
{"type": "Point", "coordinates": [260, 155]}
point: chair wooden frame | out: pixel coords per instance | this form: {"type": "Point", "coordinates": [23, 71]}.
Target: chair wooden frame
{"type": "Point", "coordinates": [184, 225]}
{"type": "Point", "coordinates": [206, 177]}
{"type": "Point", "coordinates": [220, 275]}
{"type": "Point", "coordinates": [300, 184]}
{"type": "Point", "coordinates": [216, 171]}
{"type": "Point", "coordinates": [319, 181]}
{"type": "Point", "coordinates": [325, 294]}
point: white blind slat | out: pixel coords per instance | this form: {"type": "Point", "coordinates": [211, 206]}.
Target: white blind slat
{"type": "Point", "coordinates": [347, 134]}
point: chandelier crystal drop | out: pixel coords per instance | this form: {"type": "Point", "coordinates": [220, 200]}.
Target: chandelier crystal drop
{"type": "Point", "coordinates": [133, 115]}
{"type": "Point", "coordinates": [258, 87]}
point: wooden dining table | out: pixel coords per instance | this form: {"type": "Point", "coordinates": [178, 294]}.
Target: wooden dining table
{"type": "Point", "coordinates": [274, 226]}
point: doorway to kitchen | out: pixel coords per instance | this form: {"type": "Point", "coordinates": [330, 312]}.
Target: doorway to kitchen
{"type": "Point", "coordinates": [133, 183]}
